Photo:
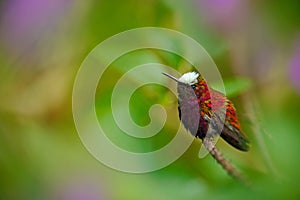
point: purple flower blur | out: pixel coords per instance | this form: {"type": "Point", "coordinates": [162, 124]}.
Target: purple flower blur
{"type": "Point", "coordinates": [80, 188]}
{"type": "Point", "coordinates": [25, 22]}
{"type": "Point", "coordinates": [294, 66]}
{"type": "Point", "coordinates": [224, 15]}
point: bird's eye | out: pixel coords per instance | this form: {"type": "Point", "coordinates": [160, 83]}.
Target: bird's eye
{"type": "Point", "coordinates": [193, 86]}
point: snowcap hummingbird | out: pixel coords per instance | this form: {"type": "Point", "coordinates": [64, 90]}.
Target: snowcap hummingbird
{"type": "Point", "coordinates": [204, 98]}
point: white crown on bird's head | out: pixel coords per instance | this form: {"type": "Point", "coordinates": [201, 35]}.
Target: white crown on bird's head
{"type": "Point", "coordinates": [189, 78]}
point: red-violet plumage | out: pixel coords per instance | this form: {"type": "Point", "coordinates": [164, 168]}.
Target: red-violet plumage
{"type": "Point", "coordinates": [198, 104]}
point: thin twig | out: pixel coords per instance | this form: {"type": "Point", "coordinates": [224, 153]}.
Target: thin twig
{"type": "Point", "coordinates": [218, 156]}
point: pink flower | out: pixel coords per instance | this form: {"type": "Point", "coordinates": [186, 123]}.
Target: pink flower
{"type": "Point", "coordinates": [25, 22]}
{"type": "Point", "coordinates": [225, 15]}
{"type": "Point", "coordinates": [294, 66]}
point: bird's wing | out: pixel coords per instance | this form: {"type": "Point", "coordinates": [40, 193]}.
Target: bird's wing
{"type": "Point", "coordinates": [231, 131]}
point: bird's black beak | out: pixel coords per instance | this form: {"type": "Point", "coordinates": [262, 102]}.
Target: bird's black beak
{"type": "Point", "coordinates": [171, 77]}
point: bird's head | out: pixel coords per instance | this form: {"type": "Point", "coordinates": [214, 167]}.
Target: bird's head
{"type": "Point", "coordinates": [187, 83]}
{"type": "Point", "coordinates": [188, 79]}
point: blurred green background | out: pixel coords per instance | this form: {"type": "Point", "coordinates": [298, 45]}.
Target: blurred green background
{"type": "Point", "coordinates": [255, 44]}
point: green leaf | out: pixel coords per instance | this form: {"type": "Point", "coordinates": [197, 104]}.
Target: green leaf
{"type": "Point", "coordinates": [235, 86]}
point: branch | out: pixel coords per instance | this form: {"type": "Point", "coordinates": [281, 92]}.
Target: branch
{"type": "Point", "coordinates": [218, 156]}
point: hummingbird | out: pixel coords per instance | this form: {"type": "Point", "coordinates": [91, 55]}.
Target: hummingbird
{"type": "Point", "coordinates": [195, 96]}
